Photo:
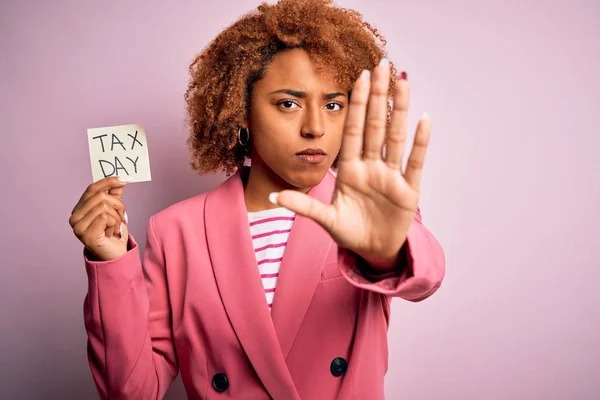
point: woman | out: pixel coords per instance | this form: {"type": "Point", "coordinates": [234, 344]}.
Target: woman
{"type": "Point", "coordinates": [274, 88]}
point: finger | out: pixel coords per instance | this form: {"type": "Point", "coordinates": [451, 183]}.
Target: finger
{"type": "Point", "coordinates": [96, 228]}
{"type": "Point", "coordinates": [103, 185]}
{"type": "Point", "coordinates": [108, 232]}
{"type": "Point", "coordinates": [80, 227]}
{"type": "Point", "coordinates": [352, 141]}
{"type": "Point", "coordinates": [414, 166]}
{"type": "Point", "coordinates": [112, 230]}
{"type": "Point", "coordinates": [303, 204]}
{"type": "Point", "coordinates": [101, 197]}
{"type": "Point", "coordinates": [117, 192]}
{"type": "Point", "coordinates": [396, 139]}
{"type": "Point", "coordinates": [115, 230]}
{"type": "Point", "coordinates": [112, 201]}
{"type": "Point", "coordinates": [376, 119]}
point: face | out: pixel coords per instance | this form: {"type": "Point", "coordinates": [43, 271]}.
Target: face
{"type": "Point", "coordinates": [296, 120]}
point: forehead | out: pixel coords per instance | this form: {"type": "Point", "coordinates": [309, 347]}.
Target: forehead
{"type": "Point", "coordinates": [294, 69]}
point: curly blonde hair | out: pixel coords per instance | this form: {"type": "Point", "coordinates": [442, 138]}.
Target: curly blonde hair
{"type": "Point", "coordinates": [223, 74]}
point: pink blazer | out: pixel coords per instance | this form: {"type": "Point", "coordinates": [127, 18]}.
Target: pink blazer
{"type": "Point", "coordinates": [198, 307]}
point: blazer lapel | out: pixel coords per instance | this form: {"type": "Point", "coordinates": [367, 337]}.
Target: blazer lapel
{"type": "Point", "coordinates": [238, 279]}
{"type": "Point", "coordinates": [300, 272]}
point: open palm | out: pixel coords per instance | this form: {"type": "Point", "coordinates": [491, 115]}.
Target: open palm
{"type": "Point", "coordinates": [374, 202]}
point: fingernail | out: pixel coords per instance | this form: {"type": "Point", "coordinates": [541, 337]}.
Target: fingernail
{"type": "Point", "coordinates": [403, 75]}
{"type": "Point", "coordinates": [273, 197]}
{"type": "Point", "coordinates": [125, 179]}
{"type": "Point", "coordinates": [126, 219]}
{"type": "Point", "coordinates": [426, 116]}
{"type": "Point", "coordinates": [366, 74]}
{"type": "Point", "coordinates": [384, 62]}
{"type": "Point", "coordinates": [121, 229]}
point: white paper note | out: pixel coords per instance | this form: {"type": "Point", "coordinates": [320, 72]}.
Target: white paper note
{"type": "Point", "coordinates": [119, 150]}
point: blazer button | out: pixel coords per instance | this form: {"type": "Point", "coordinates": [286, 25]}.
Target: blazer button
{"type": "Point", "coordinates": [339, 366]}
{"type": "Point", "coordinates": [220, 382]}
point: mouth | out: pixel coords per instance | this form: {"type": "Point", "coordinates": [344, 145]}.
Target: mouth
{"type": "Point", "coordinates": [311, 156]}
{"type": "Point", "coordinates": [311, 152]}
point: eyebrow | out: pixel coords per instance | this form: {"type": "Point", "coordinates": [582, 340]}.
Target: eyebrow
{"type": "Point", "coordinates": [300, 94]}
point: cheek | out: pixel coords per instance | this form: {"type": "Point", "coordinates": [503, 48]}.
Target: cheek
{"type": "Point", "coordinates": [274, 130]}
{"type": "Point", "coordinates": [337, 132]}
{"type": "Point", "coordinates": [272, 140]}
{"type": "Point", "coordinates": [263, 129]}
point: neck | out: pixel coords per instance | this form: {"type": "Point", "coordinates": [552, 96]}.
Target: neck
{"type": "Point", "coordinates": [261, 182]}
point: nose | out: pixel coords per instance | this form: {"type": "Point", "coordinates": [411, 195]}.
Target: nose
{"type": "Point", "coordinates": [313, 126]}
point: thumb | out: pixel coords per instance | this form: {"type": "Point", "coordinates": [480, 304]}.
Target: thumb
{"type": "Point", "coordinates": [117, 192]}
{"type": "Point", "coordinates": [303, 204]}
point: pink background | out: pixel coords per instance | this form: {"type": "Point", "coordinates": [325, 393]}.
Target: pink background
{"type": "Point", "coordinates": [511, 185]}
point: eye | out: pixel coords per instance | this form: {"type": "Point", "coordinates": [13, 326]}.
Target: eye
{"type": "Point", "coordinates": [332, 106]}
{"type": "Point", "coordinates": [287, 104]}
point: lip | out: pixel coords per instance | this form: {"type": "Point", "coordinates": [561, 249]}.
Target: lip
{"type": "Point", "coordinates": [312, 152]}
{"type": "Point", "coordinates": [311, 159]}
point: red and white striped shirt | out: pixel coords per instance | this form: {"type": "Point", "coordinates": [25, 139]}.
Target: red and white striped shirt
{"type": "Point", "coordinates": [270, 230]}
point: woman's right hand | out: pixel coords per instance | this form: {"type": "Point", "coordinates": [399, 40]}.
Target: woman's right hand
{"type": "Point", "coordinates": [99, 220]}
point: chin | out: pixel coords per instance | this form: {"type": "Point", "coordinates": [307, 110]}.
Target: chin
{"type": "Point", "coordinates": [305, 178]}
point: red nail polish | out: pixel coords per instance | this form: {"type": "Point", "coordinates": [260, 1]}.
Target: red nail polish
{"type": "Point", "coordinates": [403, 75]}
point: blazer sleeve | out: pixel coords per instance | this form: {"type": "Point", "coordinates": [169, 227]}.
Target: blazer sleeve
{"type": "Point", "coordinates": [128, 323]}
{"type": "Point", "coordinates": [419, 274]}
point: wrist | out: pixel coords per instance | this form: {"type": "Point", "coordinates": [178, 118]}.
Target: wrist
{"type": "Point", "coordinates": [385, 264]}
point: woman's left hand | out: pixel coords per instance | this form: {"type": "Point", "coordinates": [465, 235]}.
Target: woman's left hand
{"type": "Point", "coordinates": [374, 202]}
